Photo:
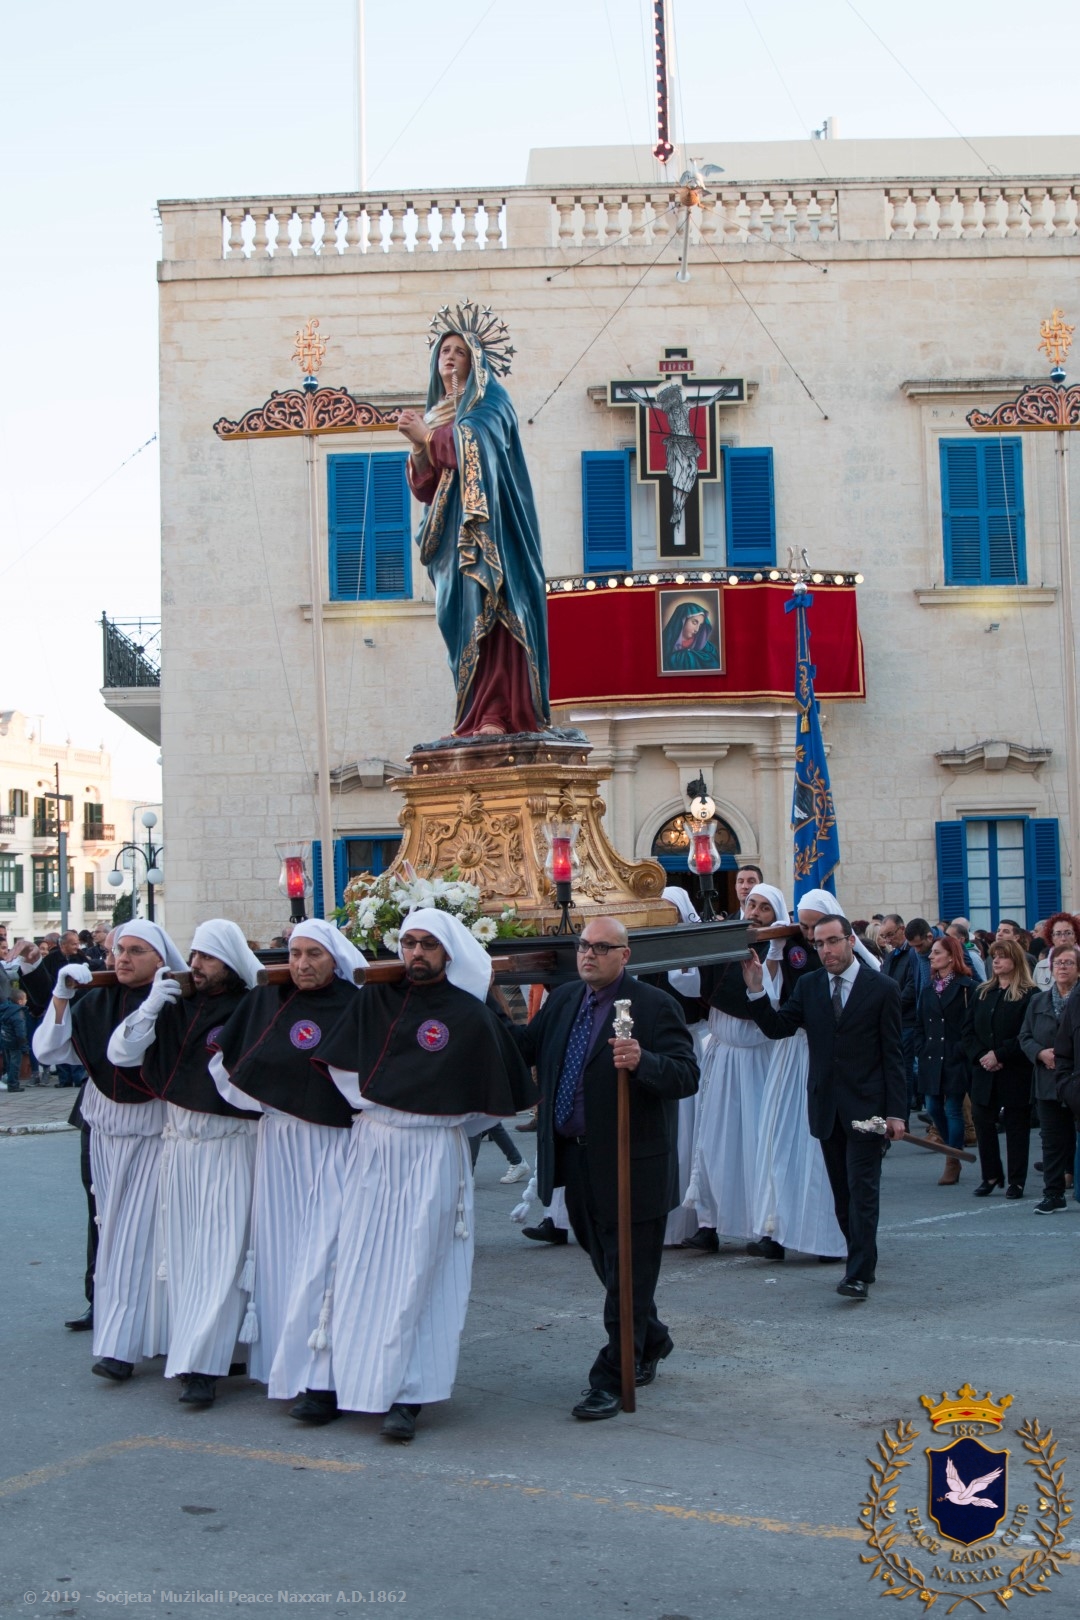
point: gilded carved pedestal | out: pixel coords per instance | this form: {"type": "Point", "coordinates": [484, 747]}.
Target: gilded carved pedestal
{"type": "Point", "coordinates": [479, 804]}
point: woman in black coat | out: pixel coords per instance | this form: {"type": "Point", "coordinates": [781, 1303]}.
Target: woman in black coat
{"type": "Point", "coordinates": [942, 1011]}
{"type": "Point", "coordinates": [1000, 1070]}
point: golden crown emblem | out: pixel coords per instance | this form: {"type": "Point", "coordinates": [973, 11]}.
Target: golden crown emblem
{"type": "Point", "coordinates": [966, 1407]}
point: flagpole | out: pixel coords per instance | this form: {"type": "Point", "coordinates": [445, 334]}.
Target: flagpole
{"type": "Point", "coordinates": [361, 98]}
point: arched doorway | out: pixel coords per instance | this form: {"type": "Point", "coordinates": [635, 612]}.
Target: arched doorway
{"type": "Point", "coordinates": [670, 848]}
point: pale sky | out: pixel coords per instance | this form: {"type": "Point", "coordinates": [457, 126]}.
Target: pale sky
{"type": "Point", "coordinates": [109, 108]}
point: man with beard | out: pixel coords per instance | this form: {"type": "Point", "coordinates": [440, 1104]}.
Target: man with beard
{"type": "Point", "coordinates": [126, 1120]}
{"type": "Point", "coordinates": [209, 1158]}
{"type": "Point", "coordinates": [424, 1062]}
{"type": "Point", "coordinates": [263, 1060]}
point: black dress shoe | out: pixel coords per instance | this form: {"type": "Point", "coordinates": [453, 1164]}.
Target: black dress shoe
{"type": "Point", "coordinates": [199, 1390]}
{"type": "Point", "coordinates": [546, 1232]}
{"type": "Point", "coordinates": [109, 1367]}
{"type": "Point", "coordinates": [1015, 1189]}
{"type": "Point", "coordinates": [766, 1248]}
{"type": "Point", "coordinates": [853, 1288]}
{"type": "Point", "coordinates": [645, 1371]}
{"type": "Point", "coordinates": [400, 1422]}
{"type": "Point", "coordinates": [598, 1403]}
{"type": "Point", "coordinates": [82, 1324]}
{"type": "Point", "coordinates": [704, 1239]}
{"type": "Point", "coordinates": [985, 1188]}
{"type": "Point", "coordinates": [832, 1259]}
{"type": "Point", "coordinates": [316, 1406]}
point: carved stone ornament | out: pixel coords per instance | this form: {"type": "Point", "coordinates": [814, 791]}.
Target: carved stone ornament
{"type": "Point", "coordinates": [487, 821]}
{"type": "Point", "coordinates": [992, 756]}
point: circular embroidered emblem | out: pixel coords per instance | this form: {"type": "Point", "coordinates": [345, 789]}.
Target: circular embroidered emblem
{"type": "Point", "coordinates": [212, 1035]}
{"type": "Point", "coordinates": [432, 1036]}
{"type": "Point", "coordinates": [797, 956]}
{"type": "Point", "coordinates": [305, 1035]}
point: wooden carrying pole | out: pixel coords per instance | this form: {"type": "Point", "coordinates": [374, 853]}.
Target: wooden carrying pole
{"type": "Point", "coordinates": [628, 1365]}
{"type": "Point", "coordinates": [385, 972]}
{"type": "Point", "coordinates": [105, 979]}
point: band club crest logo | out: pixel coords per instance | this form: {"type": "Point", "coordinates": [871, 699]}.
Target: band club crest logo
{"type": "Point", "coordinates": [432, 1035]}
{"type": "Point", "coordinates": [976, 1534]}
{"type": "Point", "coordinates": [305, 1034]}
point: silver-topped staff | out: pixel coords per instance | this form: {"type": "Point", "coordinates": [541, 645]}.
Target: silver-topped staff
{"type": "Point", "coordinates": [624, 1029]}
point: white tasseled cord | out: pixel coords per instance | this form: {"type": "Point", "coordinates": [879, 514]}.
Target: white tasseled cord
{"type": "Point", "coordinates": [319, 1338]}
{"type": "Point", "coordinates": [249, 1328]}
{"type": "Point", "coordinates": [461, 1225]}
{"type": "Point", "coordinates": [520, 1212]}
{"type": "Point", "coordinates": [168, 1136]}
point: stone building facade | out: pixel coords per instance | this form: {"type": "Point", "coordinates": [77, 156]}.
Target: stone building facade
{"type": "Point", "coordinates": [96, 825]}
{"type": "Point", "coordinates": [866, 314]}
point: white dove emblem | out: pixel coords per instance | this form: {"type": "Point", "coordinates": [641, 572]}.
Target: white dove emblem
{"type": "Point", "coordinates": [966, 1495]}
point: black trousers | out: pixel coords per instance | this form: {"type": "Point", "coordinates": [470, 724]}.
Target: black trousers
{"type": "Point", "coordinates": [1017, 1139]}
{"type": "Point", "coordinates": [1058, 1144]}
{"type": "Point", "coordinates": [601, 1243]}
{"type": "Point", "coordinates": [853, 1164]}
{"type": "Point", "coordinates": [91, 1206]}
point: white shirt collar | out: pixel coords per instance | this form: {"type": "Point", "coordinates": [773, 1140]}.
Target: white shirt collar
{"type": "Point", "coordinates": [848, 975]}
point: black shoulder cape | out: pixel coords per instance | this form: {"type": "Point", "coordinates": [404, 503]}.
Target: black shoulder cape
{"type": "Point", "coordinates": [430, 1049]}
{"type": "Point", "coordinates": [269, 1043]}
{"type": "Point", "coordinates": [176, 1067]}
{"type": "Point", "coordinates": [94, 1016]}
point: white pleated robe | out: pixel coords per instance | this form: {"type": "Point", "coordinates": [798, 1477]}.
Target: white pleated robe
{"type": "Point", "coordinates": [207, 1172]}
{"type": "Point", "coordinates": [725, 1148]}
{"type": "Point", "coordinates": [792, 1198]}
{"type": "Point", "coordinates": [405, 1253]}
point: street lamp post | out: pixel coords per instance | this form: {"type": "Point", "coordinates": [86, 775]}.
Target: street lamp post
{"type": "Point", "coordinates": [150, 853]}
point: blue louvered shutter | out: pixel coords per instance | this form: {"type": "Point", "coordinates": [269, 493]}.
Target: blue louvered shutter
{"type": "Point", "coordinates": [951, 870]}
{"type": "Point", "coordinates": [316, 878]}
{"type": "Point", "coordinates": [368, 524]}
{"type": "Point", "coordinates": [749, 507]}
{"type": "Point", "coordinates": [320, 900]}
{"type": "Point", "coordinates": [347, 485]}
{"type": "Point", "coordinates": [388, 528]}
{"type": "Point", "coordinates": [605, 510]}
{"type": "Point", "coordinates": [982, 512]}
{"type": "Point", "coordinates": [1042, 867]}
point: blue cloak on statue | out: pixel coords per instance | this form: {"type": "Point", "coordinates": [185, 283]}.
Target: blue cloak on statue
{"type": "Point", "coordinates": [480, 538]}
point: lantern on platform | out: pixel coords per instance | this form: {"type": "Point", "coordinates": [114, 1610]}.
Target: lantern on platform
{"type": "Point", "coordinates": [561, 866]}
{"type": "Point", "coordinates": [703, 858]}
{"type": "Point", "coordinates": [293, 881]}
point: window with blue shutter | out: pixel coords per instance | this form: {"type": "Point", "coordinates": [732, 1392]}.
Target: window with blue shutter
{"type": "Point", "coordinates": [320, 902]}
{"type": "Point", "coordinates": [982, 511]}
{"type": "Point", "coordinates": [605, 510]}
{"type": "Point", "coordinates": [368, 523]}
{"type": "Point", "coordinates": [995, 867]}
{"type": "Point", "coordinates": [951, 870]}
{"type": "Point", "coordinates": [749, 507]}
{"type": "Point", "coordinates": [1042, 867]}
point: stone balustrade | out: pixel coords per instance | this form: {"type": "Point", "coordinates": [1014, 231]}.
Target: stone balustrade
{"type": "Point", "coordinates": [610, 217]}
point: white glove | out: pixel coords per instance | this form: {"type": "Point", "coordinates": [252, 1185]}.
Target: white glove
{"type": "Point", "coordinates": [163, 992]}
{"type": "Point", "coordinates": [69, 978]}
{"type": "Point", "coordinates": [776, 950]}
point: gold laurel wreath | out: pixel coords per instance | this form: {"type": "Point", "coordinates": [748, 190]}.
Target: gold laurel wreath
{"type": "Point", "coordinates": [899, 1575]}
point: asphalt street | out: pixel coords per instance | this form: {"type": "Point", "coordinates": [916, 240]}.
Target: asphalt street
{"type": "Point", "coordinates": [734, 1490]}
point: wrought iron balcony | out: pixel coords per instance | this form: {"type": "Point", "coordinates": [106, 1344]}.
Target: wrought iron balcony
{"type": "Point", "coordinates": [131, 651]}
{"type": "Point", "coordinates": [7, 824]}
{"type": "Point", "coordinates": [98, 832]}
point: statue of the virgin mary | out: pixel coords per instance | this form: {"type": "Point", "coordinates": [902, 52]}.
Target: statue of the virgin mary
{"type": "Point", "coordinates": [480, 540]}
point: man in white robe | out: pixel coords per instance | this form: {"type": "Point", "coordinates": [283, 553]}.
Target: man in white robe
{"type": "Point", "coordinates": [263, 1061]}
{"type": "Point", "coordinates": [126, 1122]}
{"type": "Point", "coordinates": [209, 1155]}
{"type": "Point", "coordinates": [424, 1062]}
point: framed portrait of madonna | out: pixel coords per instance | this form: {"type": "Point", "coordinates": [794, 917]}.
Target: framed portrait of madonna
{"type": "Point", "coordinates": [688, 629]}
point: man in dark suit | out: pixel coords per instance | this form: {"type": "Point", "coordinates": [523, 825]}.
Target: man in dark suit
{"type": "Point", "coordinates": [577, 1057]}
{"type": "Point", "coordinates": [852, 1020]}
